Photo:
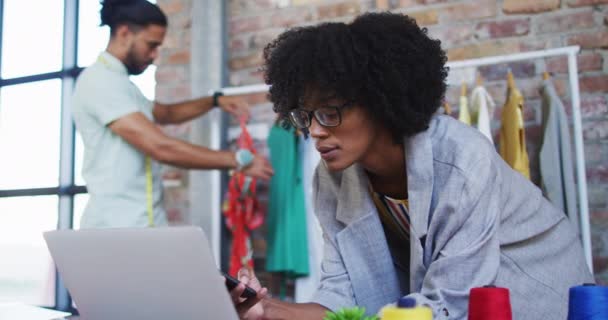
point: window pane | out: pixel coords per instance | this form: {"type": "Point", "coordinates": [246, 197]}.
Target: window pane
{"type": "Point", "coordinates": [32, 36]}
{"type": "Point", "coordinates": [29, 134]}
{"type": "Point", "coordinates": [92, 39]}
{"type": "Point", "coordinates": [27, 273]}
{"type": "Point", "coordinates": [146, 82]}
{"type": "Point", "coordinates": [80, 202]}
{"type": "Point", "coordinates": [78, 160]}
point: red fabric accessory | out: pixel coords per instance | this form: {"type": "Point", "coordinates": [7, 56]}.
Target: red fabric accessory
{"type": "Point", "coordinates": [241, 210]}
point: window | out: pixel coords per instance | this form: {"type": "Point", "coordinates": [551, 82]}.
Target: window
{"type": "Point", "coordinates": [41, 187]}
{"type": "Point", "coordinates": [19, 37]}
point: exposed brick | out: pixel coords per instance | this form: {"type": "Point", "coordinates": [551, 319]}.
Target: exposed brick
{"type": "Point", "coordinates": [245, 77]}
{"type": "Point", "coordinates": [483, 49]}
{"type": "Point", "coordinates": [171, 7]}
{"type": "Point", "coordinates": [590, 40]}
{"type": "Point", "coordinates": [248, 61]}
{"type": "Point", "coordinates": [597, 215]}
{"type": "Point", "coordinates": [590, 61]}
{"type": "Point", "coordinates": [303, 2]}
{"type": "Point", "coordinates": [506, 28]}
{"type": "Point", "coordinates": [592, 106]}
{"type": "Point", "coordinates": [453, 35]}
{"type": "Point", "coordinates": [425, 17]}
{"type": "Point", "coordinates": [290, 17]}
{"type": "Point", "coordinates": [595, 152]}
{"type": "Point", "coordinates": [564, 22]}
{"type": "Point", "coordinates": [529, 6]}
{"type": "Point", "coordinates": [238, 44]}
{"type": "Point", "coordinates": [169, 74]}
{"type": "Point", "coordinates": [407, 3]}
{"type": "Point", "coordinates": [247, 24]}
{"type": "Point", "coordinates": [494, 72]}
{"type": "Point", "coordinates": [597, 196]}
{"type": "Point", "coordinates": [181, 57]}
{"type": "Point", "coordinates": [384, 4]}
{"type": "Point", "coordinates": [173, 93]}
{"type": "Point", "coordinates": [261, 39]}
{"type": "Point", "coordinates": [469, 11]}
{"type": "Point", "coordinates": [247, 7]}
{"type": "Point", "coordinates": [338, 10]}
{"type": "Point", "coordinates": [532, 44]}
{"type": "Point", "coordinates": [597, 174]}
{"type": "Point", "coordinates": [580, 3]}
{"type": "Point", "coordinates": [598, 83]}
{"type": "Point", "coordinates": [595, 129]}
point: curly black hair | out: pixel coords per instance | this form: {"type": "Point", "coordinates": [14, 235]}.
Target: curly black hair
{"type": "Point", "coordinates": [381, 61]}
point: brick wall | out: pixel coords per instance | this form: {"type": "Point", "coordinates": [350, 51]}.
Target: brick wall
{"type": "Point", "coordinates": [468, 29]}
{"type": "Point", "coordinates": [173, 85]}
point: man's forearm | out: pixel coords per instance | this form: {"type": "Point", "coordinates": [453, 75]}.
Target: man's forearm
{"type": "Point", "coordinates": [279, 310]}
{"type": "Point", "coordinates": [186, 155]}
{"type": "Point", "coordinates": [180, 112]}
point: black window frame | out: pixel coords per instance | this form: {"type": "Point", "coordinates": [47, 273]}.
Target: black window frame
{"type": "Point", "coordinates": [66, 189]}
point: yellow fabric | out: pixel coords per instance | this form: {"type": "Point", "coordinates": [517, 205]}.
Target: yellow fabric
{"type": "Point", "coordinates": [512, 135]}
{"type": "Point", "coordinates": [149, 202]}
{"type": "Point", "coordinates": [463, 114]}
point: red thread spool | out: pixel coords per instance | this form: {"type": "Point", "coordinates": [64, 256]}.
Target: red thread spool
{"type": "Point", "coordinates": [489, 303]}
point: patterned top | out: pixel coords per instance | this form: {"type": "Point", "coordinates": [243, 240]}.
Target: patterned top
{"type": "Point", "coordinates": [394, 215]}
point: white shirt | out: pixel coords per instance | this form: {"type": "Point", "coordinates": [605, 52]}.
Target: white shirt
{"type": "Point", "coordinates": [114, 170]}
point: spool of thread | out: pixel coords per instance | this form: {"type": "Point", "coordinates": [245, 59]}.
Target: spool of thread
{"type": "Point", "coordinates": [417, 313]}
{"type": "Point", "coordinates": [588, 302]}
{"type": "Point", "coordinates": [489, 303]}
{"type": "Point", "coordinates": [406, 310]}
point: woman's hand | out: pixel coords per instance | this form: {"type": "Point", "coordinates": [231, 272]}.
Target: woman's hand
{"type": "Point", "coordinates": [252, 308]}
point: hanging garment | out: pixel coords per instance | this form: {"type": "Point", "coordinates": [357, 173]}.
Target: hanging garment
{"type": "Point", "coordinates": [287, 239]}
{"type": "Point", "coordinates": [242, 211]}
{"type": "Point", "coordinates": [482, 110]}
{"type": "Point", "coordinates": [556, 166]}
{"type": "Point", "coordinates": [306, 286]}
{"type": "Point", "coordinates": [463, 113]}
{"type": "Point", "coordinates": [512, 135]}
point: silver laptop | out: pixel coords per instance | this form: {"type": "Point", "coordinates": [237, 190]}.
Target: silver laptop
{"type": "Point", "coordinates": [145, 273]}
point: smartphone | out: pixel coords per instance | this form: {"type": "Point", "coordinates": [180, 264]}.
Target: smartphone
{"type": "Point", "coordinates": [231, 283]}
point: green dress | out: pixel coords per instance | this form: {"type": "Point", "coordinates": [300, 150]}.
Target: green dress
{"type": "Point", "coordinates": [286, 221]}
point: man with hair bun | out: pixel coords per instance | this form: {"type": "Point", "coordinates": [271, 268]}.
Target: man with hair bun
{"type": "Point", "coordinates": [123, 145]}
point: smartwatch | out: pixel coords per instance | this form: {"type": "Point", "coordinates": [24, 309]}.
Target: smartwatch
{"type": "Point", "coordinates": [244, 157]}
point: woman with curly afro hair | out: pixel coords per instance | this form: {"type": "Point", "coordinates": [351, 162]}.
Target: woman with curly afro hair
{"type": "Point", "coordinates": [411, 203]}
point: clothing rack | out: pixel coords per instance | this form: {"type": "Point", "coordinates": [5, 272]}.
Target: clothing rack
{"type": "Point", "coordinates": [571, 52]}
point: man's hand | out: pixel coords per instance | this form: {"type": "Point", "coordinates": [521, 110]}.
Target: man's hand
{"type": "Point", "coordinates": [236, 106]}
{"type": "Point", "coordinates": [249, 309]}
{"type": "Point", "coordinates": [259, 168]}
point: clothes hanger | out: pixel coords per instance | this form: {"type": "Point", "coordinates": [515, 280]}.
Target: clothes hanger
{"type": "Point", "coordinates": [479, 80]}
{"type": "Point", "coordinates": [446, 108]}
{"type": "Point", "coordinates": [510, 79]}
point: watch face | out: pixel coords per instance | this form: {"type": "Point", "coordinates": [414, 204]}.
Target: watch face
{"type": "Point", "coordinates": [244, 157]}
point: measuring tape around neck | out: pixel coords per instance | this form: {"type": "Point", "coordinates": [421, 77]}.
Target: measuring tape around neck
{"type": "Point", "coordinates": [148, 167]}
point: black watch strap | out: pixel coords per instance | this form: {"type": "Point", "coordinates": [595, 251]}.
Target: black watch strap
{"type": "Point", "coordinates": [216, 95]}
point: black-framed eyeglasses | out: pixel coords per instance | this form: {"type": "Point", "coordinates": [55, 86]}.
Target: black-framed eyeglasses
{"type": "Point", "coordinates": [329, 116]}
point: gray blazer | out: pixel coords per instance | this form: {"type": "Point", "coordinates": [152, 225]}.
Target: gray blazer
{"type": "Point", "coordinates": [476, 221]}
